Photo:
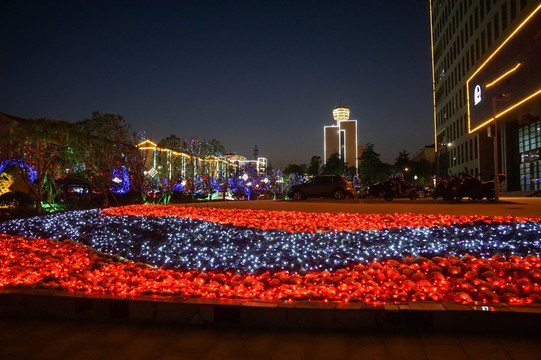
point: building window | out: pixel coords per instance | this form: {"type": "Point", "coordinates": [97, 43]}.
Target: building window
{"type": "Point", "coordinates": [496, 24]}
{"type": "Point", "coordinates": [513, 9]}
{"type": "Point", "coordinates": [504, 16]}
{"type": "Point", "coordinates": [483, 42]}
{"type": "Point", "coordinates": [489, 34]}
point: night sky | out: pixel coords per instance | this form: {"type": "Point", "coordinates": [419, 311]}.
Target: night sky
{"type": "Point", "coordinates": [243, 72]}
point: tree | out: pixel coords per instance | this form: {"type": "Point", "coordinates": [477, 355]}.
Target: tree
{"type": "Point", "coordinates": [424, 170]}
{"type": "Point", "coordinates": [295, 169]}
{"type": "Point", "coordinates": [136, 159]}
{"type": "Point", "coordinates": [202, 148]}
{"type": "Point", "coordinates": [401, 162]}
{"type": "Point", "coordinates": [41, 143]}
{"type": "Point", "coordinates": [97, 146]}
{"type": "Point", "coordinates": [172, 142]}
{"type": "Point", "coordinates": [372, 169]}
{"type": "Point", "coordinates": [335, 165]}
{"type": "Point", "coordinates": [215, 147]}
{"type": "Point", "coordinates": [315, 165]}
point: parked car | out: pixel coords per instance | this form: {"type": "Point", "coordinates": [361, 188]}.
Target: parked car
{"type": "Point", "coordinates": [395, 188]}
{"type": "Point", "coordinates": [323, 186]}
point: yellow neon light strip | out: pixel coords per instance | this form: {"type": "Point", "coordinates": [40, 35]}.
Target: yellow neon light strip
{"type": "Point", "coordinates": [209, 158]}
{"type": "Point", "coordinates": [538, 92]}
{"type": "Point", "coordinates": [146, 141]}
{"type": "Point", "coordinates": [486, 62]}
{"type": "Point", "coordinates": [433, 79]}
{"type": "Point", "coordinates": [504, 75]}
{"type": "Point", "coordinates": [505, 42]}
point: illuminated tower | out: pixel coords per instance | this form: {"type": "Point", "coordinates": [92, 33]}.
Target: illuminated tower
{"type": "Point", "coordinates": [341, 138]}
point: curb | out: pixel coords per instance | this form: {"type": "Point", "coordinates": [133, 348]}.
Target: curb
{"type": "Point", "coordinates": [437, 316]}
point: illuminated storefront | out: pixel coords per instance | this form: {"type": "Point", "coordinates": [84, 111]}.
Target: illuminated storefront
{"type": "Point", "coordinates": [487, 85]}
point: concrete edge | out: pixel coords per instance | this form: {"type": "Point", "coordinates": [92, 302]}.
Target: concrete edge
{"type": "Point", "coordinates": [437, 316]}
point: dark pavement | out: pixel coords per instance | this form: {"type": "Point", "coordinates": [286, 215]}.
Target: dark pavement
{"type": "Point", "coordinates": [62, 339]}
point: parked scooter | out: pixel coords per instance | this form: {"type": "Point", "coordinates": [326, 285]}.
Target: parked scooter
{"type": "Point", "coordinates": [476, 189]}
{"type": "Point", "coordinates": [397, 188]}
{"type": "Point", "coordinates": [447, 189]}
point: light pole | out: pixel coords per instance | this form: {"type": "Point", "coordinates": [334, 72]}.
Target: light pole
{"type": "Point", "coordinates": [495, 99]}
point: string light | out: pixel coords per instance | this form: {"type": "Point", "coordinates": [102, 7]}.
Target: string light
{"type": "Point", "coordinates": [121, 178]}
{"type": "Point", "coordinates": [461, 259]}
{"type": "Point", "coordinates": [32, 174]}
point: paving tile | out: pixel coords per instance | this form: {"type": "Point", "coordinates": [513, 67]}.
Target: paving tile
{"type": "Point", "coordinates": [404, 347]}
{"type": "Point", "coordinates": [444, 352]}
{"type": "Point", "coordinates": [439, 338]}
{"type": "Point", "coordinates": [329, 346]}
{"type": "Point", "coordinates": [228, 345]}
{"type": "Point", "coordinates": [111, 334]}
{"type": "Point", "coordinates": [483, 347]}
{"type": "Point", "coordinates": [521, 347]}
{"type": "Point", "coordinates": [259, 345]}
{"type": "Point", "coordinates": [366, 345]}
{"type": "Point", "coordinates": [293, 345]}
{"type": "Point", "coordinates": [149, 342]}
{"type": "Point", "coordinates": [193, 340]}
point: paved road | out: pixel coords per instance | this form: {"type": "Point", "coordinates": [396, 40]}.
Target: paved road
{"type": "Point", "coordinates": [517, 206]}
{"type": "Point", "coordinates": [56, 339]}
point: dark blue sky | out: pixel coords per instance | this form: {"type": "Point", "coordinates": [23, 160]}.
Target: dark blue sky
{"type": "Point", "coordinates": [244, 72]}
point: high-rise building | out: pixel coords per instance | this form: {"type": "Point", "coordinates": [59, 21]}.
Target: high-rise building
{"type": "Point", "coordinates": [341, 138]}
{"type": "Point", "coordinates": [486, 57]}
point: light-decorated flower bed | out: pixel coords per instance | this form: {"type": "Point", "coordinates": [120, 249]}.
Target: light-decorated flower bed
{"type": "Point", "coordinates": [276, 255]}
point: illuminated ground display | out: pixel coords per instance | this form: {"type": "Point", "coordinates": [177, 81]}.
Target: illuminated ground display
{"type": "Point", "coordinates": [513, 69]}
{"type": "Point", "coordinates": [276, 255]}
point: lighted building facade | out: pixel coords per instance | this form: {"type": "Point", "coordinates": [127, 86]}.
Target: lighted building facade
{"type": "Point", "coordinates": [486, 77]}
{"type": "Point", "coordinates": [170, 164]}
{"type": "Point", "coordinates": [341, 138]}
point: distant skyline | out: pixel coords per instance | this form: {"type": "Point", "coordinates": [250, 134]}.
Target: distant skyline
{"type": "Point", "coordinates": [243, 72]}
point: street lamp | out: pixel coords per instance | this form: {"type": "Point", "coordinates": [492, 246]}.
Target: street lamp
{"type": "Point", "coordinates": [495, 99]}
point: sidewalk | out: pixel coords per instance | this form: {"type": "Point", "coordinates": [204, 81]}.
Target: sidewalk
{"type": "Point", "coordinates": [48, 325]}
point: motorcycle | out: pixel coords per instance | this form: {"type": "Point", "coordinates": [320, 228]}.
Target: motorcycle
{"type": "Point", "coordinates": [447, 189]}
{"type": "Point", "coordinates": [476, 189]}
{"type": "Point", "coordinates": [397, 188]}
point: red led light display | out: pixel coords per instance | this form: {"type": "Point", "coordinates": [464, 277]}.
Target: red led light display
{"type": "Point", "coordinates": [297, 221]}
{"type": "Point", "coordinates": [73, 267]}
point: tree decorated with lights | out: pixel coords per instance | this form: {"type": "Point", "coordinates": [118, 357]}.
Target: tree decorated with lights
{"type": "Point", "coordinates": [42, 145]}
{"type": "Point", "coordinates": [98, 144]}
